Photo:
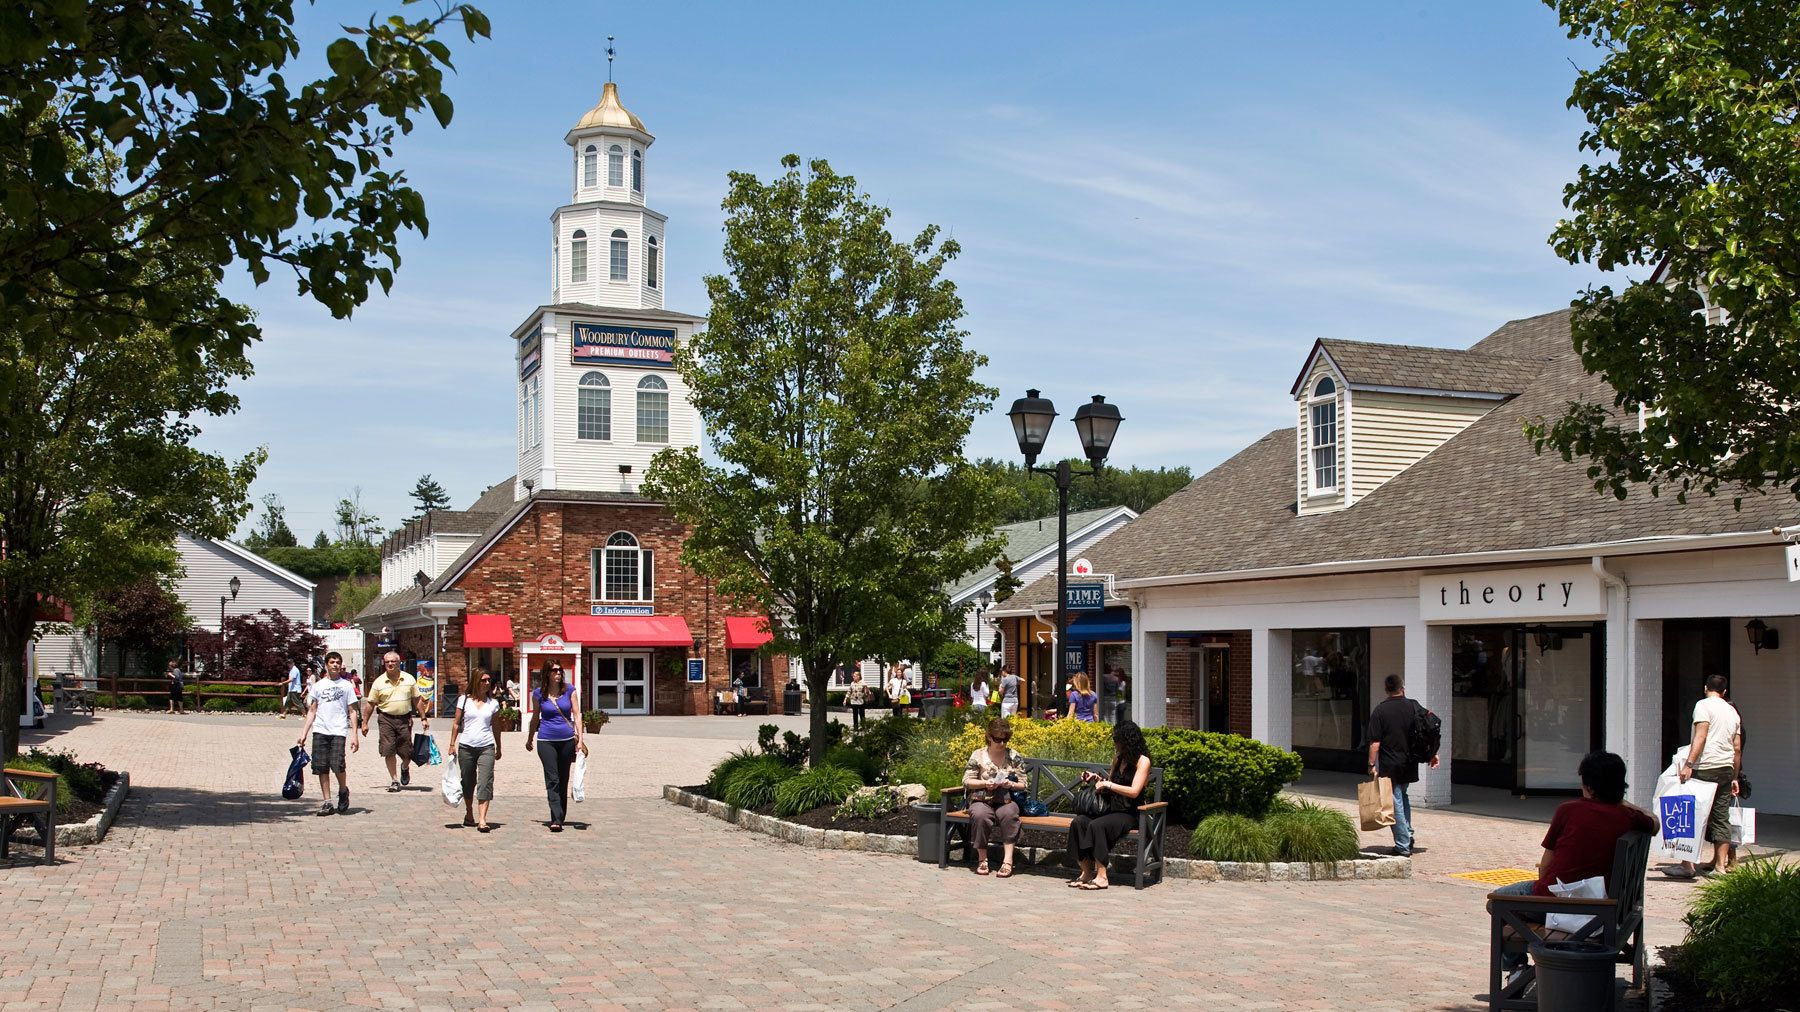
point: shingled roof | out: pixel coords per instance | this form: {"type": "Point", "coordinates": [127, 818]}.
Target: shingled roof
{"type": "Point", "coordinates": [1405, 366]}
{"type": "Point", "coordinates": [1484, 490]}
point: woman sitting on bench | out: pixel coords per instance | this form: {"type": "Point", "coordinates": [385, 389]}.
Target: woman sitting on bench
{"type": "Point", "coordinates": [1091, 840]}
{"type": "Point", "coordinates": [993, 773]}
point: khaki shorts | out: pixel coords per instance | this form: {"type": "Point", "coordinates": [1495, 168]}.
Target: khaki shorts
{"type": "Point", "coordinates": [396, 734]}
{"type": "Point", "coordinates": [1718, 827]}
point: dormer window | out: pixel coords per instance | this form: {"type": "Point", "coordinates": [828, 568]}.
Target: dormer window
{"type": "Point", "coordinates": [637, 171]}
{"type": "Point", "coordinates": [615, 166]}
{"type": "Point", "coordinates": [620, 255]}
{"type": "Point", "coordinates": [590, 166]}
{"type": "Point", "coordinates": [1323, 414]}
{"type": "Point", "coordinates": [578, 257]}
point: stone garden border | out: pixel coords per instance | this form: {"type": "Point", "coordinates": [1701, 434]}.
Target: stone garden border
{"type": "Point", "coordinates": [1176, 867]}
{"type": "Point", "coordinates": [78, 834]}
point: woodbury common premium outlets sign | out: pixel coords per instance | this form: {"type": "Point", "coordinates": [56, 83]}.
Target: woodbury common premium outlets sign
{"type": "Point", "coordinates": [597, 342]}
{"type": "Point", "coordinates": [1546, 595]}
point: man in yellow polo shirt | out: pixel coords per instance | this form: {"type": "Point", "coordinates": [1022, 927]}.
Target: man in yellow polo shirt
{"type": "Point", "coordinates": [395, 696]}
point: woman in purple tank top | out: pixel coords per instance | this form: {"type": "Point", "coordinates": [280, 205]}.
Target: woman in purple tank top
{"type": "Point", "coordinates": [555, 725]}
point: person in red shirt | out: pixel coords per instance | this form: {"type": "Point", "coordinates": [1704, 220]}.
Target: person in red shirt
{"type": "Point", "coordinates": [1584, 832]}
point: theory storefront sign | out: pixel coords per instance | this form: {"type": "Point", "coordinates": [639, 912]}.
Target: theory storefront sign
{"type": "Point", "coordinates": [599, 342]}
{"type": "Point", "coordinates": [1542, 594]}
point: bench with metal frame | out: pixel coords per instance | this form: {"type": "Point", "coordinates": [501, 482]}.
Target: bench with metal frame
{"type": "Point", "coordinates": [28, 794]}
{"type": "Point", "coordinates": [1053, 782]}
{"type": "Point", "coordinates": [77, 694]}
{"type": "Point", "coordinates": [1618, 924]}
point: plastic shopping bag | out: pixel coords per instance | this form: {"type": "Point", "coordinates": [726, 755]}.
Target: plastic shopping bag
{"type": "Point", "coordinates": [578, 779]}
{"type": "Point", "coordinates": [1681, 812]}
{"type": "Point", "coordinates": [1586, 889]}
{"type": "Point", "coordinates": [436, 756]}
{"type": "Point", "coordinates": [452, 785]}
{"type": "Point", "coordinates": [294, 787]}
{"type": "Point", "coordinates": [421, 749]}
{"type": "Point", "coordinates": [1743, 823]}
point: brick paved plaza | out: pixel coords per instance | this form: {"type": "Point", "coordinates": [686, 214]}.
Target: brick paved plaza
{"type": "Point", "coordinates": [212, 891]}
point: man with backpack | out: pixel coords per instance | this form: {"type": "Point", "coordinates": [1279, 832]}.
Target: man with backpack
{"type": "Point", "coordinates": [1402, 734]}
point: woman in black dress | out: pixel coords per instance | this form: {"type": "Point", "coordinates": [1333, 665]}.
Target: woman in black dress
{"type": "Point", "coordinates": [1091, 839]}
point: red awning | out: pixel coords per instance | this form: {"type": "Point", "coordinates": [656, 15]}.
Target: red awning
{"type": "Point", "coordinates": [488, 631]}
{"type": "Point", "coordinates": [746, 633]}
{"type": "Point", "coordinates": [627, 630]}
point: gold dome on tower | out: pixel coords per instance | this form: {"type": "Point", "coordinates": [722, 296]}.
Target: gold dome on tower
{"type": "Point", "coordinates": [610, 113]}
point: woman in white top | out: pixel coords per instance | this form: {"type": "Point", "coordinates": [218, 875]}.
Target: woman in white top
{"type": "Point", "coordinates": [898, 686]}
{"type": "Point", "coordinates": [978, 693]}
{"type": "Point", "coordinates": [477, 747]}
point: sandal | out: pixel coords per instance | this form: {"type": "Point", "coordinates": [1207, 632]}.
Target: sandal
{"type": "Point", "coordinates": [1077, 882]}
{"type": "Point", "coordinates": [1005, 870]}
{"type": "Point", "coordinates": [1093, 886]}
{"type": "Point", "coordinates": [982, 868]}
{"type": "Point", "coordinates": [468, 820]}
{"type": "Point", "coordinates": [483, 828]}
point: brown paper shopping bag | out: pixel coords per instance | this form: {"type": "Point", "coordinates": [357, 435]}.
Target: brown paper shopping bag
{"type": "Point", "coordinates": [1375, 803]}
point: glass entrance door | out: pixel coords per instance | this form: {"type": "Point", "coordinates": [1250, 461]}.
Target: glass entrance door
{"type": "Point", "coordinates": [620, 683]}
{"type": "Point", "coordinates": [1528, 704]}
{"type": "Point", "coordinates": [1556, 706]}
{"type": "Point", "coordinates": [1212, 697]}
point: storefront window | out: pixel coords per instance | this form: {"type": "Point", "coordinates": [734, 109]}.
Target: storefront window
{"type": "Point", "coordinates": [1331, 687]}
{"type": "Point", "coordinates": [494, 661]}
{"type": "Point", "coordinates": [1525, 699]}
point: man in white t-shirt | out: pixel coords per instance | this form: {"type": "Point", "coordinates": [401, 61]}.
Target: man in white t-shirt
{"type": "Point", "coordinates": [1716, 756]}
{"type": "Point", "coordinates": [331, 706]}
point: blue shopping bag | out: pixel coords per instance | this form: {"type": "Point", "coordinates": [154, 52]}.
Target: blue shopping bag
{"type": "Point", "coordinates": [437, 758]}
{"type": "Point", "coordinates": [294, 787]}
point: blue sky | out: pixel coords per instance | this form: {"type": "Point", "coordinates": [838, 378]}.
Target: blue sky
{"type": "Point", "coordinates": [1165, 204]}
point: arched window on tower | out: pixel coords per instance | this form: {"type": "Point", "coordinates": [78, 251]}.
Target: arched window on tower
{"type": "Point", "coordinates": [578, 257]}
{"type": "Point", "coordinates": [593, 407]}
{"type": "Point", "coordinates": [652, 410]}
{"type": "Point", "coordinates": [653, 263]}
{"type": "Point", "coordinates": [615, 166]}
{"type": "Point", "coordinates": [1323, 411]}
{"type": "Point", "coordinates": [620, 255]}
{"type": "Point", "coordinates": [637, 171]}
{"type": "Point", "coordinates": [590, 166]}
{"type": "Point", "coordinates": [623, 570]}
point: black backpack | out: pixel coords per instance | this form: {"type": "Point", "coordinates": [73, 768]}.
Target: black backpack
{"type": "Point", "coordinates": [1424, 735]}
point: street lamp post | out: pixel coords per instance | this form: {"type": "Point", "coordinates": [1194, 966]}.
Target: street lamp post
{"type": "Point", "coordinates": [1096, 422]}
{"type": "Point", "coordinates": [235, 585]}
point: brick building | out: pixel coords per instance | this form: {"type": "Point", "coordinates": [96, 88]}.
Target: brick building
{"type": "Point", "coordinates": [566, 560]}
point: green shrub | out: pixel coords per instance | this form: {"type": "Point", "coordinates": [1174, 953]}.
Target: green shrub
{"type": "Point", "coordinates": [793, 748]}
{"type": "Point", "coordinates": [105, 701]}
{"type": "Point", "coordinates": [1743, 933]}
{"type": "Point", "coordinates": [855, 759]}
{"type": "Point", "coordinates": [264, 705]}
{"type": "Point", "coordinates": [887, 739]}
{"type": "Point", "coordinates": [65, 791]}
{"type": "Point", "coordinates": [815, 788]}
{"type": "Point", "coordinates": [722, 770]}
{"type": "Point", "coordinates": [935, 775]}
{"type": "Point", "coordinates": [136, 703]}
{"type": "Point", "coordinates": [870, 805]}
{"type": "Point", "coordinates": [834, 699]}
{"type": "Point", "coordinates": [1232, 837]}
{"type": "Point", "coordinates": [84, 779]}
{"type": "Point", "coordinates": [752, 785]}
{"type": "Point", "coordinates": [1206, 772]}
{"type": "Point", "coordinates": [220, 706]}
{"type": "Point", "coordinates": [1312, 833]}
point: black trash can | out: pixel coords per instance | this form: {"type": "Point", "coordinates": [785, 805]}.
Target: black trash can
{"type": "Point", "coordinates": [934, 706]}
{"type": "Point", "coordinates": [931, 831]}
{"type": "Point", "coordinates": [1574, 976]}
{"type": "Point", "coordinates": [790, 701]}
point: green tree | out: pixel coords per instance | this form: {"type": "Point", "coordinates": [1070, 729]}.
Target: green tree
{"type": "Point", "coordinates": [272, 530]}
{"type": "Point", "coordinates": [353, 595]}
{"type": "Point", "coordinates": [837, 394]}
{"type": "Point", "coordinates": [144, 149]}
{"type": "Point", "coordinates": [429, 495]}
{"type": "Point", "coordinates": [320, 541]}
{"type": "Point", "coordinates": [356, 526]}
{"type": "Point", "coordinates": [1691, 119]}
{"type": "Point", "coordinates": [1005, 583]}
{"type": "Point", "coordinates": [1031, 496]}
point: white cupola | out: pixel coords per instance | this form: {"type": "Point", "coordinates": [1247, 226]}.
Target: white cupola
{"type": "Point", "coordinates": [608, 248]}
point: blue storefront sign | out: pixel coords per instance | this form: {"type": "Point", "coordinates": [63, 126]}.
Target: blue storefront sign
{"type": "Point", "coordinates": [1085, 597]}
{"type": "Point", "coordinates": [1074, 657]}
{"type": "Point", "coordinates": [696, 669]}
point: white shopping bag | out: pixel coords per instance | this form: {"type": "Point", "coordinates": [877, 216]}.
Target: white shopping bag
{"type": "Point", "coordinates": [578, 779]}
{"type": "Point", "coordinates": [1743, 823]}
{"type": "Point", "coordinates": [1682, 811]}
{"type": "Point", "coordinates": [453, 784]}
{"type": "Point", "coordinates": [1586, 889]}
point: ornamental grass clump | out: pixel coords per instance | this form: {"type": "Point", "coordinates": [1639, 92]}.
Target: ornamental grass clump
{"type": "Point", "coordinates": [722, 770]}
{"type": "Point", "coordinates": [1231, 837]}
{"type": "Point", "coordinates": [1308, 832]}
{"type": "Point", "coordinates": [1743, 937]}
{"type": "Point", "coordinates": [815, 788]}
{"type": "Point", "coordinates": [752, 785]}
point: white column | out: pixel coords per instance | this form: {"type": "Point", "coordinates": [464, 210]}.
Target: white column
{"type": "Point", "coordinates": [1272, 687]}
{"type": "Point", "coordinates": [1149, 676]}
{"type": "Point", "coordinates": [1642, 747]}
{"type": "Point", "coordinates": [1620, 688]}
{"type": "Point", "coordinates": [554, 362]}
{"type": "Point", "coordinates": [1428, 649]}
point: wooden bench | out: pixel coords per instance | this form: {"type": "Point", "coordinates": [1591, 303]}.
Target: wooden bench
{"type": "Point", "coordinates": [28, 794]}
{"type": "Point", "coordinates": [724, 703]}
{"type": "Point", "coordinates": [1054, 782]}
{"type": "Point", "coordinates": [1618, 923]}
{"type": "Point", "coordinates": [756, 700]}
{"type": "Point", "coordinates": [75, 693]}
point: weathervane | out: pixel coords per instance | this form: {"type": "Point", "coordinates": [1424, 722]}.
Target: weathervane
{"type": "Point", "coordinates": [609, 58]}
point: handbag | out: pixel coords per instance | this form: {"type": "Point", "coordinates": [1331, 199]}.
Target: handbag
{"type": "Point", "coordinates": [1029, 806]}
{"type": "Point", "coordinates": [1088, 801]}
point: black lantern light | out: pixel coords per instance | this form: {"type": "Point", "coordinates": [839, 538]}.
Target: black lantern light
{"type": "Point", "coordinates": [1031, 417]}
{"type": "Point", "coordinates": [1097, 422]}
{"type": "Point", "coordinates": [1761, 636]}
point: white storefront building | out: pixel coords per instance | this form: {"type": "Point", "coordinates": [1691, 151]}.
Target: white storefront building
{"type": "Point", "coordinates": [1406, 526]}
